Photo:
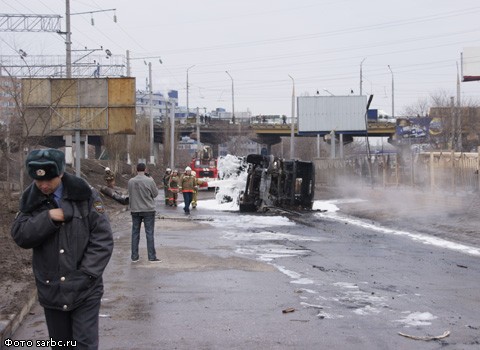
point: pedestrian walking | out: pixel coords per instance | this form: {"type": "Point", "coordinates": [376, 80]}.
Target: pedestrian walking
{"type": "Point", "coordinates": [165, 181]}
{"type": "Point", "coordinates": [62, 218]}
{"type": "Point", "coordinates": [142, 192]}
{"type": "Point", "coordinates": [187, 186]}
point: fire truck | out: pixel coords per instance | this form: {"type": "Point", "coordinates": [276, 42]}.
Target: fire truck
{"type": "Point", "coordinates": [205, 165]}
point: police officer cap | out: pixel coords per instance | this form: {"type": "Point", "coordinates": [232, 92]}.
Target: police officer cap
{"type": "Point", "coordinates": [188, 168]}
{"type": "Point", "coordinates": [45, 164]}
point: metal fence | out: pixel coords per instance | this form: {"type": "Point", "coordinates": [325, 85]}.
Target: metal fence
{"type": "Point", "coordinates": [435, 171]}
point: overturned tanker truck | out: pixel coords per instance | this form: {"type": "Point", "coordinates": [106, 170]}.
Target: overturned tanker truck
{"type": "Point", "coordinates": [278, 183]}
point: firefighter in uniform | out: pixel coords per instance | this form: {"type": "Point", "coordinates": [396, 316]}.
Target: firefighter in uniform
{"type": "Point", "coordinates": [173, 188]}
{"type": "Point", "coordinates": [165, 181]}
{"type": "Point", "coordinates": [200, 183]}
{"type": "Point", "coordinates": [188, 183]}
{"type": "Point", "coordinates": [109, 178]}
{"type": "Point", "coordinates": [195, 191]}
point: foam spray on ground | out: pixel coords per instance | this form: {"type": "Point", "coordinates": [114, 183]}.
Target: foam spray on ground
{"type": "Point", "coordinates": [232, 174]}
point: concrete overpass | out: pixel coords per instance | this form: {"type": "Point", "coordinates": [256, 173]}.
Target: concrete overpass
{"type": "Point", "coordinates": [219, 131]}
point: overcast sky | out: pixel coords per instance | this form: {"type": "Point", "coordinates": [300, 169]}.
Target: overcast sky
{"type": "Point", "coordinates": [320, 43]}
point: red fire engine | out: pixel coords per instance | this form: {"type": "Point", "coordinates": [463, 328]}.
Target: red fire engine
{"type": "Point", "coordinates": [205, 165]}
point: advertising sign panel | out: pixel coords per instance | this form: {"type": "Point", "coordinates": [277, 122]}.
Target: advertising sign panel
{"type": "Point", "coordinates": [323, 114]}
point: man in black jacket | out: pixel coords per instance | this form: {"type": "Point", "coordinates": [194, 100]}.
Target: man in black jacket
{"type": "Point", "coordinates": [64, 221]}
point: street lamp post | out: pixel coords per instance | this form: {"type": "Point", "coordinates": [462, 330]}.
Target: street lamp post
{"type": "Point", "coordinates": [292, 126]}
{"type": "Point", "coordinates": [188, 109]}
{"type": "Point", "coordinates": [233, 99]}
{"type": "Point", "coordinates": [150, 102]}
{"type": "Point", "coordinates": [172, 135]}
{"type": "Point", "coordinates": [393, 93]}
{"type": "Point", "coordinates": [361, 76]}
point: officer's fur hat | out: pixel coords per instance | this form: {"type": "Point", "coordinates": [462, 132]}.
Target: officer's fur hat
{"type": "Point", "coordinates": [45, 164]}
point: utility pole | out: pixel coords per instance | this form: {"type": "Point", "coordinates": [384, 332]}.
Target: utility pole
{"type": "Point", "coordinates": [188, 109]}
{"type": "Point", "coordinates": [361, 76]}
{"type": "Point", "coordinates": [393, 93]}
{"type": "Point", "coordinates": [233, 99]}
{"type": "Point", "coordinates": [292, 127]}
{"type": "Point", "coordinates": [172, 136]}
{"type": "Point", "coordinates": [198, 126]}
{"type": "Point", "coordinates": [150, 103]}
{"type": "Point", "coordinates": [68, 63]}
{"type": "Point", "coordinates": [459, 114]}
{"type": "Point", "coordinates": [68, 40]}
{"type": "Point", "coordinates": [453, 125]}
{"type": "Point", "coordinates": [68, 72]}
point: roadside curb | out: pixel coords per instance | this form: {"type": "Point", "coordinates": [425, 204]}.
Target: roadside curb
{"type": "Point", "coordinates": [9, 326]}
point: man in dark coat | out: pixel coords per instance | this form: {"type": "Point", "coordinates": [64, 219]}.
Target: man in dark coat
{"type": "Point", "coordinates": [64, 221]}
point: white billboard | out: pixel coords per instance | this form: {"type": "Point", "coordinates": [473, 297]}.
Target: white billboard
{"type": "Point", "coordinates": [471, 64]}
{"type": "Point", "coordinates": [323, 114]}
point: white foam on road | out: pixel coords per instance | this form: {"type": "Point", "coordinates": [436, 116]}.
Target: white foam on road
{"type": "Point", "coordinates": [254, 228]}
{"type": "Point", "coordinates": [295, 276]}
{"type": "Point", "coordinates": [333, 213]}
{"type": "Point", "coordinates": [213, 204]}
{"type": "Point", "coordinates": [251, 222]}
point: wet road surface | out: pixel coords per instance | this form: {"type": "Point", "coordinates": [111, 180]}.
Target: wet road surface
{"type": "Point", "coordinates": [254, 281]}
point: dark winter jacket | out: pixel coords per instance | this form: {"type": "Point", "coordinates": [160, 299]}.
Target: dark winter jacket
{"type": "Point", "coordinates": [68, 257]}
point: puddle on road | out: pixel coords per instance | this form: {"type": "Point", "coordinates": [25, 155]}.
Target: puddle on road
{"type": "Point", "coordinates": [184, 259]}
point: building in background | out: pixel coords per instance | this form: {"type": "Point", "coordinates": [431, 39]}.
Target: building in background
{"type": "Point", "coordinates": [241, 146]}
{"type": "Point", "coordinates": [9, 89]}
{"type": "Point", "coordinates": [160, 105]}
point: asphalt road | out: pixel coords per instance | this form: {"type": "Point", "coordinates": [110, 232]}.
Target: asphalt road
{"type": "Point", "coordinates": [236, 281]}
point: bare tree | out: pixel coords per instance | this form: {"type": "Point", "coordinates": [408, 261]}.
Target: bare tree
{"type": "Point", "coordinates": [140, 145]}
{"type": "Point", "coordinates": [451, 127]}
{"type": "Point", "coordinates": [29, 124]}
{"type": "Point", "coordinates": [115, 146]}
{"type": "Point", "coordinates": [419, 109]}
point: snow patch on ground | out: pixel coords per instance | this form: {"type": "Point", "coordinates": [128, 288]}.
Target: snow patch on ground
{"type": "Point", "coordinates": [295, 276]}
{"type": "Point", "coordinates": [417, 319]}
